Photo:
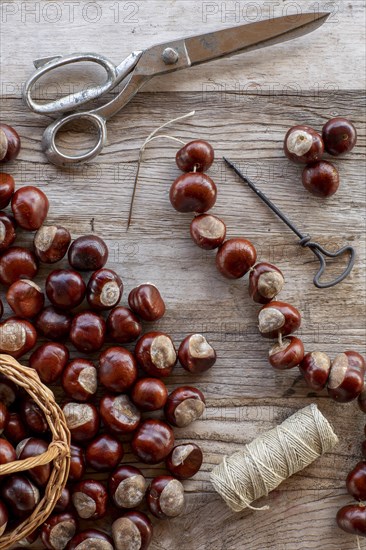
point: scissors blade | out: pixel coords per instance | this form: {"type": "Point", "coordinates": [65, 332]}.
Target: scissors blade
{"type": "Point", "coordinates": [213, 45]}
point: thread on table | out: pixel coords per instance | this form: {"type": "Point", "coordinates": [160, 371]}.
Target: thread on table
{"type": "Point", "coordinates": [263, 464]}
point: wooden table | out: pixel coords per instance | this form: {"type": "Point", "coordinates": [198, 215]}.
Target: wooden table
{"type": "Point", "coordinates": [243, 107]}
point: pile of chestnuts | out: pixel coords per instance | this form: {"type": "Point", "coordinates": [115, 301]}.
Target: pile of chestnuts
{"type": "Point", "coordinates": [106, 400]}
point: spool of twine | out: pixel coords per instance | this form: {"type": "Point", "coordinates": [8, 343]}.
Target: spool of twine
{"type": "Point", "coordinates": [263, 464]}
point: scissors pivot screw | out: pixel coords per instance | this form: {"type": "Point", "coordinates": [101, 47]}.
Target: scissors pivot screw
{"type": "Point", "coordinates": [170, 56]}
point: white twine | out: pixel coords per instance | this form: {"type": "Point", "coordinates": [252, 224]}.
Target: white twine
{"type": "Point", "coordinates": [272, 457]}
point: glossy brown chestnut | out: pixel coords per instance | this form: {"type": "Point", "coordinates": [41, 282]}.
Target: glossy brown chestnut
{"type": "Point", "coordinates": [346, 378]}
{"type": "Point", "coordinates": [20, 495]}
{"type": "Point", "coordinates": [127, 487]}
{"type": "Point", "coordinates": [123, 325]}
{"type": "Point", "coordinates": [49, 360]}
{"type": "Point", "coordinates": [30, 207]}
{"type": "Point", "coordinates": [193, 192]}
{"type": "Point", "coordinates": [87, 332]}
{"type": "Point", "coordinates": [58, 530]}
{"type": "Point", "coordinates": [1, 308]}
{"type": "Point", "coordinates": [7, 187]}
{"type": "Point", "coordinates": [321, 178]}
{"type": "Point", "coordinates": [4, 516]}
{"type": "Point", "coordinates": [79, 380]}
{"type": "Point", "coordinates": [197, 155]}
{"type": "Point", "coordinates": [278, 317]}
{"type": "Point", "coordinates": [195, 354]}
{"type": "Point", "coordinates": [184, 406]}
{"type": "Point", "coordinates": [156, 354]}
{"type": "Point", "coordinates": [25, 298]}
{"type": "Point", "coordinates": [51, 243]}
{"type": "Point", "coordinates": [63, 502]}
{"type": "Point", "coordinates": [339, 136]}
{"type": "Point", "coordinates": [15, 429]}
{"type": "Point", "coordinates": [4, 416]}
{"type": "Point", "coordinates": [315, 368]}
{"type": "Point", "coordinates": [286, 354]}
{"type": "Point", "coordinates": [89, 498]}
{"type": "Point", "coordinates": [119, 414]}
{"type": "Point", "coordinates": [7, 231]}
{"type": "Point", "coordinates": [88, 253]}
{"type": "Point", "coordinates": [104, 453]}
{"type": "Point", "coordinates": [7, 452]}
{"type": "Point", "coordinates": [53, 324]}
{"type": "Point", "coordinates": [82, 420]}
{"type": "Point", "coordinates": [146, 301]}
{"type": "Point", "coordinates": [77, 463]}
{"type": "Point", "coordinates": [65, 289]}
{"type": "Point", "coordinates": [356, 481]}
{"type": "Point", "coordinates": [9, 143]}
{"type": "Point", "coordinates": [104, 289]}
{"type": "Point", "coordinates": [265, 282]}
{"type": "Point", "coordinates": [165, 497]}
{"type": "Point", "coordinates": [208, 231]}
{"type": "Point", "coordinates": [149, 394]}
{"type": "Point", "coordinates": [352, 519]}
{"type": "Point", "coordinates": [117, 369]}
{"type": "Point", "coordinates": [33, 446]}
{"type": "Point", "coordinates": [90, 539]}
{"type": "Point", "coordinates": [17, 337]}
{"type": "Point", "coordinates": [152, 441]}
{"type": "Point", "coordinates": [17, 263]}
{"type": "Point", "coordinates": [33, 416]}
{"type": "Point", "coordinates": [185, 460]}
{"type": "Point", "coordinates": [303, 144]}
{"type": "Point", "coordinates": [235, 257]}
{"type": "Point", "coordinates": [133, 530]}
{"type": "Point", "coordinates": [8, 391]}
{"type": "Point", "coordinates": [361, 400]}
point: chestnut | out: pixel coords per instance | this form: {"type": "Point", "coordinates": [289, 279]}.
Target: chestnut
{"type": "Point", "coordinates": [87, 332]}
{"type": "Point", "coordinates": [8, 391]}
{"type": "Point", "coordinates": [356, 481]}
{"type": "Point", "coordinates": [185, 460]}
{"type": "Point", "coordinates": [1, 308]}
{"type": "Point", "coordinates": [184, 406]}
{"type": "Point", "coordinates": [132, 531]}
{"type": "Point", "coordinates": [352, 519]}
{"type": "Point", "coordinates": [17, 263]}
{"type": "Point", "coordinates": [339, 136]}
{"type": "Point", "coordinates": [197, 155]}
{"type": "Point", "coordinates": [165, 497]}
{"type": "Point", "coordinates": [53, 324]}
{"type": "Point", "coordinates": [104, 289]}
{"type": "Point", "coordinates": [361, 400]}
{"type": "Point", "coordinates": [88, 253]}
{"type": "Point", "coordinates": [7, 187]}
{"type": "Point", "coordinates": [152, 441]}
{"type": "Point", "coordinates": [7, 231]}
{"type": "Point", "coordinates": [156, 354]}
{"type": "Point", "coordinates": [149, 394]}
{"type": "Point", "coordinates": [15, 429]}
{"type": "Point", "coordinates": [4, 516]}
{"type": "Point", "coordinates": [90, 539]}
{"type": "Point", "coordinates": [7, 452]}
{"type": "Point", "coordinates": [265, 282]}
{"type": "Point", "coordinates": [58, 530]}
{"type": "Point", "coordinates": [29, 539]}
{"type": "Point", "coordinates": [20, 495]}
{"type": "Point", "coordinates": [123, 325]}
{"type": "Point", "coordinates": [17, 337]}
{"type": "Point", "coordinates": [119, 414]}
{"type": "Point", "coordinates": [303, 144]}
{"type": "Point", "coordinates": [193, 192]}
{"type": "Point", "coordinates": [9, 143]}
{"type": "Point", "coordinates": [278, 318]}
{"type": "Point", "coordinates": [51, 243]}
{"type": "Point", "coordinates": [89, 498]}
{"type": "Point", "coordinates": [117, 369]}
{"type": "Point", "coordinates": [104, 453]}
{"type": "Point", "coordinates": [208, 231]}
{"type": "Point", "coordinates": [63, 502]}
{"type": "Point", "coordinates": [33, 416]}
{"type": "Point", "coordinates": [25, 298]}
{"type": "Point", "coordinates": [82, 420]}
{"type": "Point", "coordinates": [79, 380]}
{"type": "Point", "coordinates": [235, 258]}
{"type": "Point", "coordinates": [30, 207]}
{"type": "Point", "coordinates": [49, 360]}
{"type": "Point", "coordinates": [146, 301]}
{"type": "Point", "coordinates": [346, 378]}
{"type": "Point", "coordinates": [287, 353]}
{"type": "Point", "coordinates": [315, 368]}
{"type": "Point", "coordinates": [363, 449]}
{"type": "Point", "coordinates": [4, 416]}
{"type": "Point", "coordinates": [320, 178]}
{"type": "Point", "coordinates": [127, 487]}
{"type": "Point", "coordinates": [77, 463]}
{"type": "Point", "coordinates": [65, 289]}
{"type": "Point", "coordinates": [33, 446]}
{"type": "Point", "coordinates": [195, 354]}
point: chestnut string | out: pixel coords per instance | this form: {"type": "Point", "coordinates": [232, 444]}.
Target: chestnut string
{"type": "Point", "coordinates": [271, 458]}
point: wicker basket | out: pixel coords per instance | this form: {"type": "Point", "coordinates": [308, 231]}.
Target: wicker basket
{"type": "Point", "coordinates": [58, 451]}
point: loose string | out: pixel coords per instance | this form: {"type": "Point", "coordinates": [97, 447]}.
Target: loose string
{"type": "Point", "coordinates": [152, 137]}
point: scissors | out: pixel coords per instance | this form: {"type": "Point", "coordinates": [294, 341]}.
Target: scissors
{"type": "Point", "coordinates": [141, 66]}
